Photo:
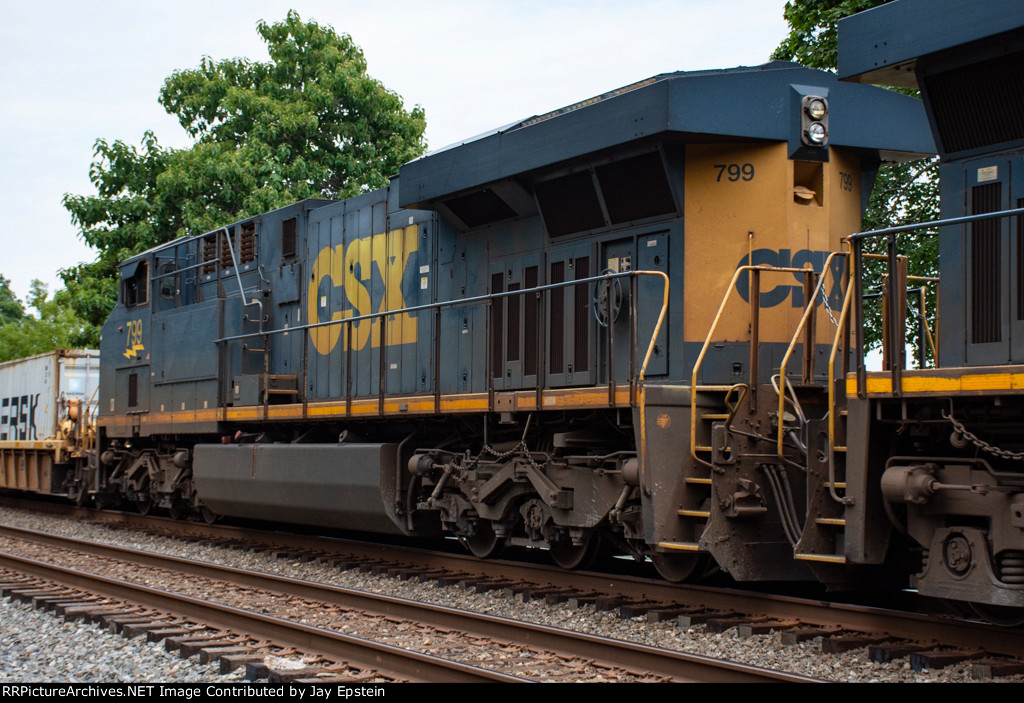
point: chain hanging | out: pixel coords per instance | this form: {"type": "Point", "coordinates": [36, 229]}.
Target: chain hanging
{"type": "Point", "coordinates": [980, 443]}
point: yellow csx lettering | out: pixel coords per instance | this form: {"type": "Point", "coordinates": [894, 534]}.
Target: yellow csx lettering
{"type": "Point", "coordinates": [351, 267]}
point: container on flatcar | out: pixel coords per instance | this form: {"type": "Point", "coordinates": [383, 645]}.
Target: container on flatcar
{"type": "Point", "coordinates": [45, 403]}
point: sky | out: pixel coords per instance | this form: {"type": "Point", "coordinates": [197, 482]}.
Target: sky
{"type": "Point", "coordinates": [72, 72]}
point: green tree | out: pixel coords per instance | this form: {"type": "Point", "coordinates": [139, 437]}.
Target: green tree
{"type": "Point", "coordinates": [11, 309]}
{"type": "Point", "coordinates": [308, 123]}
{"type": "Point", "coordinates": [53, 326]}
{"type": "Point", "coordinates": [903, 193]}
{"type": "Point", "coordinates": [813, 39]}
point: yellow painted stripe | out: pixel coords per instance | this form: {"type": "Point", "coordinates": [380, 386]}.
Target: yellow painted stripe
{"type": "Point", "coordinates": [921, 382]}
{"type": "Point", "coordinates": [836, 521]}
{"type": "Point", "coordinates": [693, 513]}
{"type": "Point", "coordinates": [680, 546]}
{"type": "Point", "coordinates": [824, 558]}
{"type": "Point", "coordinates": [525, 401]}
{"type": "Point", "coordinates": [701, 481]}
{"type": "Point", "coordinates": [47, 444]}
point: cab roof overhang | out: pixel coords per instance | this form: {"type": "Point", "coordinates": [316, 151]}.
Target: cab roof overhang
{"type": "Point", "coordinates": [755, 103]}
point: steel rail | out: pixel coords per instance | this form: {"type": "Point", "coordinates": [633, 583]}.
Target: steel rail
{"type": "Point", "coordinates": [358, 652]}
{"type": "Point", "coordinates": [639, 658]}
{"type": "Point", "coordinates": [815, 611]}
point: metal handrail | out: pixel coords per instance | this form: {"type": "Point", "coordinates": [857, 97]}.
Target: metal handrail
{"type": "Point", "coordinates": [811, 305]}
{"type": "Point", "coordinates": [844, 316]}
{"type": "Point", "coordinates": [694, 387]}
{"type": "Point", "coordinates": [890, 234]}
{"type": "Point", "coordinates": [486, 299]}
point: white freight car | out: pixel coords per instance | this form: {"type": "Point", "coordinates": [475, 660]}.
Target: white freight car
{"type": "Point", "coordinates": [46, 405]}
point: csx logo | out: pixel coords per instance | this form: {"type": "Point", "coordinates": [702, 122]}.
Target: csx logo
{"type": "Point", "coordinates": [785, 259]}
{"type": "Point", "coordinates": [370, 265]}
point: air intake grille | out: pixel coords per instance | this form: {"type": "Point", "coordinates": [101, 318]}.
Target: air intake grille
{"type": "Point", "coordinates": [569, 204]}
{"type": "Point", "coordinates": [985, 256]}
{"type": "Point", "coordinates": [1020, 261]}
{"type": "Point", "coordinates": [530, 308]}
{"type": "Point", "coordinates": [581, 358]}
{"type": "Point", "coordinates": [635, 188]}
{"type": "Point", "coordinates": [979, 105]}
{"type": "Point", "coordinates": [480, 208]}
{"type": "Point", "coordinates": [497, 326]}
{"type": "Point", "coordinates": [556, 349]}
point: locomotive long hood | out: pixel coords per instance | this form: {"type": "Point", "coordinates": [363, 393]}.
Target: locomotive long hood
{"type": "Point", "coordinates": [683, 106]}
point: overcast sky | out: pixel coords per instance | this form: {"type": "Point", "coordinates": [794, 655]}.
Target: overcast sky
{"type": "Point", "coordinates": [75, 71]}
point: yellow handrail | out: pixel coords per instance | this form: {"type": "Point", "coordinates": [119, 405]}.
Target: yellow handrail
{"type": "Point", "coordinates": [811, 304]}
{"type": "Point", "coordinates": [840, 328]}
{"type": "Point", "coordinates": [707, 344]}
{"type": "Point", "coordinates": [643, 372]}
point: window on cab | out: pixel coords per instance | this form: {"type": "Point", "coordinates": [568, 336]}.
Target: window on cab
{"type": "Point", "coordinates": [135, 284]}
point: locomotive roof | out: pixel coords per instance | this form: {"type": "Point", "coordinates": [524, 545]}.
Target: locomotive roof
{"type": "Point", "coordinates": [883, 45]}
{"type": "Point", "coordinates": [737, 103]}
{"type": "Point", "coordinates": [128, 269]}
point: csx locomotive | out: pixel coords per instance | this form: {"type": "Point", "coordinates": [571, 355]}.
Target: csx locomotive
{"type": "Point", "coordinates": [633, 323]}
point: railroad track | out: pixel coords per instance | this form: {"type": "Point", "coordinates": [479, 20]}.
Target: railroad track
{"type": "Point", "coordinates": [366, 636]}
{"type": "Point", "coordinates": [926, 642]}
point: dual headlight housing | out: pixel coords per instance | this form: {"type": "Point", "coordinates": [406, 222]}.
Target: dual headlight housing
{"type": "Point", "coordinates": [814, 120]}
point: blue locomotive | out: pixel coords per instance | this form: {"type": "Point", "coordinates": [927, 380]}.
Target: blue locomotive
{"type": "Point", "coordinates": [634, 323]}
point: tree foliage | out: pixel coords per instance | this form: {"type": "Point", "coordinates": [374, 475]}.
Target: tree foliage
{"type": "Point", "coordinates": [11, 309]}
{"type": "Point", "coordinates": [53, 326]}
{"type": "Point", "coordinates": [813, 39]}
{"type": "Point", "coordinates": [903, 193]}
{"type": "Point", "coordinates": [307, 123]}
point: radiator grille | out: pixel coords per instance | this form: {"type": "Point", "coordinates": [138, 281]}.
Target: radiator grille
{"type": "Point", "coordinates": [985, 278]}
{"type": "Point", "coordinates": [581, 357]}
{"type": "Point", "coordinates": [556, 341]}
{"type": "Point", "coordinates": [1020, 261]}
{"type": "Point", "coordinates": [512, 337]}
{"type": "Point", "coordinates": [497, 325]}
{"type": "Point", "coordinates": [979, 105]}
{"type": "Point", "coordinates": [530, 306]}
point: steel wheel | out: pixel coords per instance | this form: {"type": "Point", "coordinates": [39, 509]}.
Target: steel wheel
{"type": "Point", "coordinates": [485, 543]}
{"type": "Point", "coordinates": [676, 568]}
{"type": "Point", "coordinates": [575, 556]}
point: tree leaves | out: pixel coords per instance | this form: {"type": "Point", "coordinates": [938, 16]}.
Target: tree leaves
{"type": "Point", "coordinates": [54, 325]}
{"type": "Point", "coordinates": [308, 123]}
{"type": "Point", "coordinates": [813, 39]}
{"type": "Point", "coordinates": [903, 193]}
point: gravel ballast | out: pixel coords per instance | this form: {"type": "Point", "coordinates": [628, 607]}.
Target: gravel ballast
{"type": "Point", "coordinates": [38, 646]}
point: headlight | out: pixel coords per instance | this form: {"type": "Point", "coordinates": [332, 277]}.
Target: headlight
{"type": "Point", "coordinates": [816, 108]}
{"type": "Point", "coordinates": [814, 120]}
{"type": "Point", "coordinates": [816, 133]}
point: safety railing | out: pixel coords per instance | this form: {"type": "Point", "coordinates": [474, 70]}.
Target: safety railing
{"type": "Point", "coordinates": [806, 323]}
{"type": "Point", "coordinates": [894, 291]}
{"type": "Point", "coordinates": [749, 390]}
{"type": "Point", "coordinates": [637, 368]}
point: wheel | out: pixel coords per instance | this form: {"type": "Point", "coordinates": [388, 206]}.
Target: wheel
{"type": "Point", "coordinates": [575, 556]}
{"type": "Point", "coordinates": [485, 543]}
{"type": "Point", "coordinates": [676, 568]}
{"type": "Point", "coordinates": [177, 511]}
{"type": "Point", "coordinates": [144, 506]}
{"type": "Point", "coordinates": [209, 516]}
